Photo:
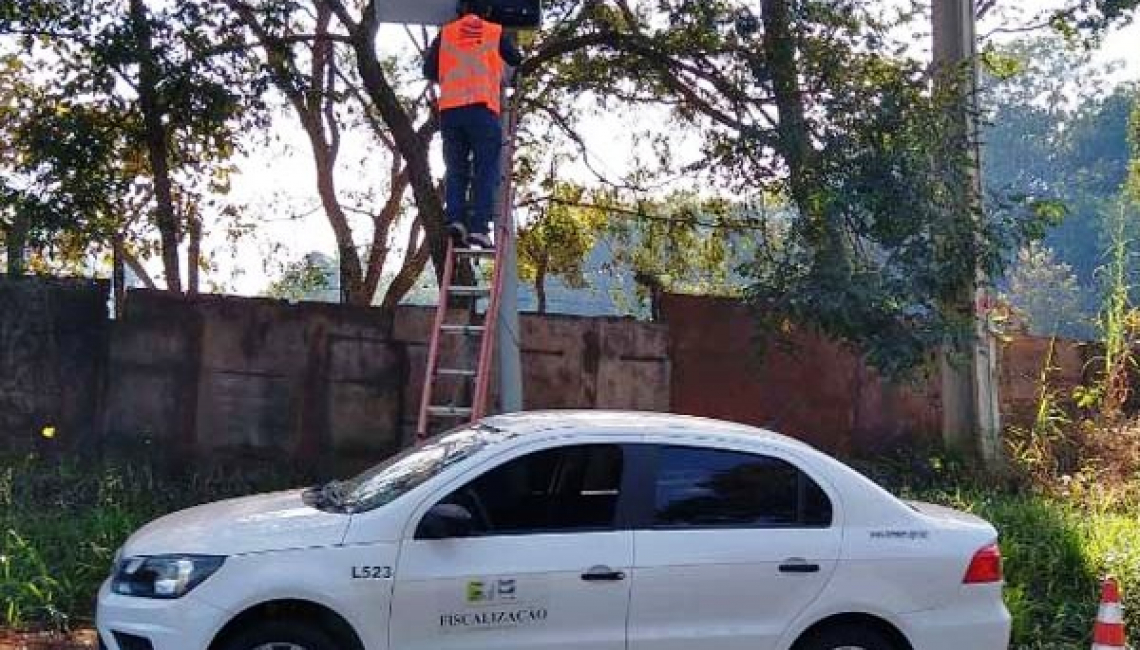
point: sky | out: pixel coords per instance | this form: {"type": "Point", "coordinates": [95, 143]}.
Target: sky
{"type": "Point", "coordinates": [277, 182]}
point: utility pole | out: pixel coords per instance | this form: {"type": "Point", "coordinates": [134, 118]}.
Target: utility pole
{"type": "Point", "coordinates": [507, 342]}
{"type": "Point", "coordinates": [970, 405]}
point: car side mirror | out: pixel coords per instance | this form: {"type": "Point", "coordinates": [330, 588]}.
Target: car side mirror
{"type": "Point", "coordinates": [445, 520]}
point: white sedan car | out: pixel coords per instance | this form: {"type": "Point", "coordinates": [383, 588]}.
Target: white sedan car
{"type": "Point", "coordinates": [568, 530]}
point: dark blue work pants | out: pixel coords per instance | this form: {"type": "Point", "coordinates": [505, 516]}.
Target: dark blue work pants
{"type": "Point", "coordinates": [472, 140]}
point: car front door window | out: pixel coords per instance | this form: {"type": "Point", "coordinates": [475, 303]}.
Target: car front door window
{"type": "Point", "coordinates": [565, 489]}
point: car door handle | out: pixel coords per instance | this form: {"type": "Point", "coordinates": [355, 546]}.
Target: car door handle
{"type": "Point", "coordinates": [603, 574]}
{"type": "Point", "coordinates": [798, 566]}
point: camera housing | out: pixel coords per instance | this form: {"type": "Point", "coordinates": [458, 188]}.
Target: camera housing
{"type": "Point", "coordinates": [517, 14]}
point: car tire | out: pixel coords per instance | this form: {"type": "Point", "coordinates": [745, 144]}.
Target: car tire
{"type": "Point", "coordinates": [281, 635]}
{"type": "Point", "coordinates": [847, 637]}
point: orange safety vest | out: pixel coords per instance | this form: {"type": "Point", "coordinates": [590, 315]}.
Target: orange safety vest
{"type": "Point", "coordinates": [470, 68]}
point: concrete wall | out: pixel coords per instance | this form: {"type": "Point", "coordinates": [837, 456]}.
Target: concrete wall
{"type": "Point", "coordinates": [817, 390]}
{"type": "Point", "coordinates": [1020, 367]}
{"type": "Point", "coordinates": [220, 372]}
{"type": "Point", "coordinates": [568, 362]}
{"type": "Point", "coordinates": [822, 392]}
{"type": "Point", "coordinates": [53, 344]}
{"type": "Point", "coordinates": [225, 372]}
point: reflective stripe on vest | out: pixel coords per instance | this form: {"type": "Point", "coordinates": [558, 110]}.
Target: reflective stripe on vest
{"type": "Point", "coordinates": [470, 68]}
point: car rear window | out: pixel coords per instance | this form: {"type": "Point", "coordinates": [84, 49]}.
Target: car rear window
{"type": "Point", "coordinates": [698, 487]}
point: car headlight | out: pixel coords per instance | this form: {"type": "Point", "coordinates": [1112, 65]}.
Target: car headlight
{"type": "Point", "coordinates": [162, 576]}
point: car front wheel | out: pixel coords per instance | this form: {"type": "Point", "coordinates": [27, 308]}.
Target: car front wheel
{"type": "Point", "coordinates": [847, 637]}
{"type": "Point", "coordinates": [280, 635]}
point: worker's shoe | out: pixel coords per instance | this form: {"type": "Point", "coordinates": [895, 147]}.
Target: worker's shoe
{"type": "Point", "coordinates": [458, 233]}
{"type": "Point", "coordinates": [480, 240]}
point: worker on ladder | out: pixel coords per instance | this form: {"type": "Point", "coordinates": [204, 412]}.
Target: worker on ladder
{"type": "Point", "coordinates": [467, 60]}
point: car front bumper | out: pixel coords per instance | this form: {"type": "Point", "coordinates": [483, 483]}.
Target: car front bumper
{"type": "Point", "coordinates": [182, 624]}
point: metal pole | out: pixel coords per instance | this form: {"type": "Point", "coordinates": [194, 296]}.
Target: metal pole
{"type": "Point", "coordinates": [970, 405]}
{"type": "Point", "coordinates": [507, 329]}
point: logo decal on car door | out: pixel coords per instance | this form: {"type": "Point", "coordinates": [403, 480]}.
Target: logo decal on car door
{"type": "Point", "coordinates": [483, 592]}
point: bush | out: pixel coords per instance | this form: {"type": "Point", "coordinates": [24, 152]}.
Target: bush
{"type": "Point", "coordinates": [1056, 553]}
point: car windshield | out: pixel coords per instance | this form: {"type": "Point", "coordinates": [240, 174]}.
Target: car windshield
{"type": "Point", "coordinates": [407, 470]}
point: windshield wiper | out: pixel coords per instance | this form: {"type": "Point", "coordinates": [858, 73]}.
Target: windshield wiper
{"type": "Point", "coordinates": [328, 495]}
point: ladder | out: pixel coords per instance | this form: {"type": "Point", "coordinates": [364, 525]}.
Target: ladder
{"type": "Point", "coordinates": [470, 386]}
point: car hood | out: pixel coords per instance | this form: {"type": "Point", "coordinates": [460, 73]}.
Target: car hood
{"type": "Point", "coordinates": [263, 522]}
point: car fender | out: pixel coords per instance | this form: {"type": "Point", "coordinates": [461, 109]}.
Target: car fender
{"type": "Point", "coordinates": [355, 581]}
{"type": "Point", "coordinates": [818, 612]}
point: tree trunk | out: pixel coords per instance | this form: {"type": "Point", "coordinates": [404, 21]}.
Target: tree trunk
{"type": "Point", "coordinates": [138, 269]}
{"type": "Point", "coordinates": [409, 143]}
{"type": "Point", "coordinates": [540, 288]}
{"type": "Point", "coordinates": [405, 279]}
{"type": "Point", "coordinates": [194, 254]}
{"type": "Point", "coordinates": [16, 243]}
{"type": "Point", "coordinates": [780, 50]}
{"type": "Point", "coordinates": [157, 141]}
{"type": "Point", "coordinates": [118, 273]}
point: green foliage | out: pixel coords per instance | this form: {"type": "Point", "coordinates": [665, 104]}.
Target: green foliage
{"type": "Point", "coordinates": [1056, 136]}
{"type": "Point", "coordinates": [1087, 20]}
{"type": "Point", "coordinates": [557, 240]}
{"type": "Point", "coordinates": [1134, 140]}
{"type": "Point", "coordinates": [686, 244]}
{"type": "Point", "coordinates": [313, 277]}
{"type": "Point", "coordinates": [1044, 292]}
{"type": "Point", "coordinates": [76, 126]}
{"type": "Point", "coordinates": [1055, 548]}
{"type": "Point", "coordinates": [1055, 554]}
{"type": "Point", "coordinates": [61, 521]}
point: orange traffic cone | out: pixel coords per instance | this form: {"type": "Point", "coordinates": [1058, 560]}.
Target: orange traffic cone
{"type": "Point", "coordinates": [1108, 632]}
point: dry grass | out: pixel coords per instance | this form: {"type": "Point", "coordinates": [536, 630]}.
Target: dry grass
{"type": "Point", "coordinates": [78, 640]}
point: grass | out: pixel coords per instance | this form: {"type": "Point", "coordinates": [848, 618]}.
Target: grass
{"type": "Point", "coordinates": [1055, 556]}
{"type": "Point", "coordinates": [62, 519]}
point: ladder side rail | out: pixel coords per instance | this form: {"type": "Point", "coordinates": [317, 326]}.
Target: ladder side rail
{"type": "Point", "coordinates": [433, 344]}
{"type": "Point", "coordinates": [487, 345]}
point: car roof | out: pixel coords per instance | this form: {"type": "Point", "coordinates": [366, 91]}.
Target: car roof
{"type": "Point", "coordinates": [626, 422]}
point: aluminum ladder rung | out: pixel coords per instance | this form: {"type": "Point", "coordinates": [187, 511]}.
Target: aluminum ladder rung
{"type": "Point", "coordinates": [456, 372]}
{"type": "Point", "coordinates": [466, 330]}
{"type": "Point", "coordinates": [449, 411]}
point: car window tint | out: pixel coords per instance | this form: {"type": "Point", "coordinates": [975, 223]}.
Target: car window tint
{"type": "Point", "coordinates": [562, 489]}
{"type": "Point", "coordinates": [814, 504]}
{"type": "Point", "coordinates": [710, 487]}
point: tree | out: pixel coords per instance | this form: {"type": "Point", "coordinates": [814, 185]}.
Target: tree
{"type": "Point", "coordinates": [165, 89]}
{"type": "Point", "coordinates": [556, 241]}
{"type": "Point", "coordinates": [329, 99]}
{"type": "Point", "coordinates": [312, 278]}
{"type": "Point", "coordinates": [1045, 294]}
{"type": "Point", "coordinates": [1057, 135]}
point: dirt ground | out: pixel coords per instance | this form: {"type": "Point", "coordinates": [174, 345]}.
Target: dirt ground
{"type": "Point", "coordinates": [79, 640]}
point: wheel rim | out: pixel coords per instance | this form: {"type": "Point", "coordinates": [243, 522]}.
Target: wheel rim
{"type": "Point", "coordinates": [280, 645]}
